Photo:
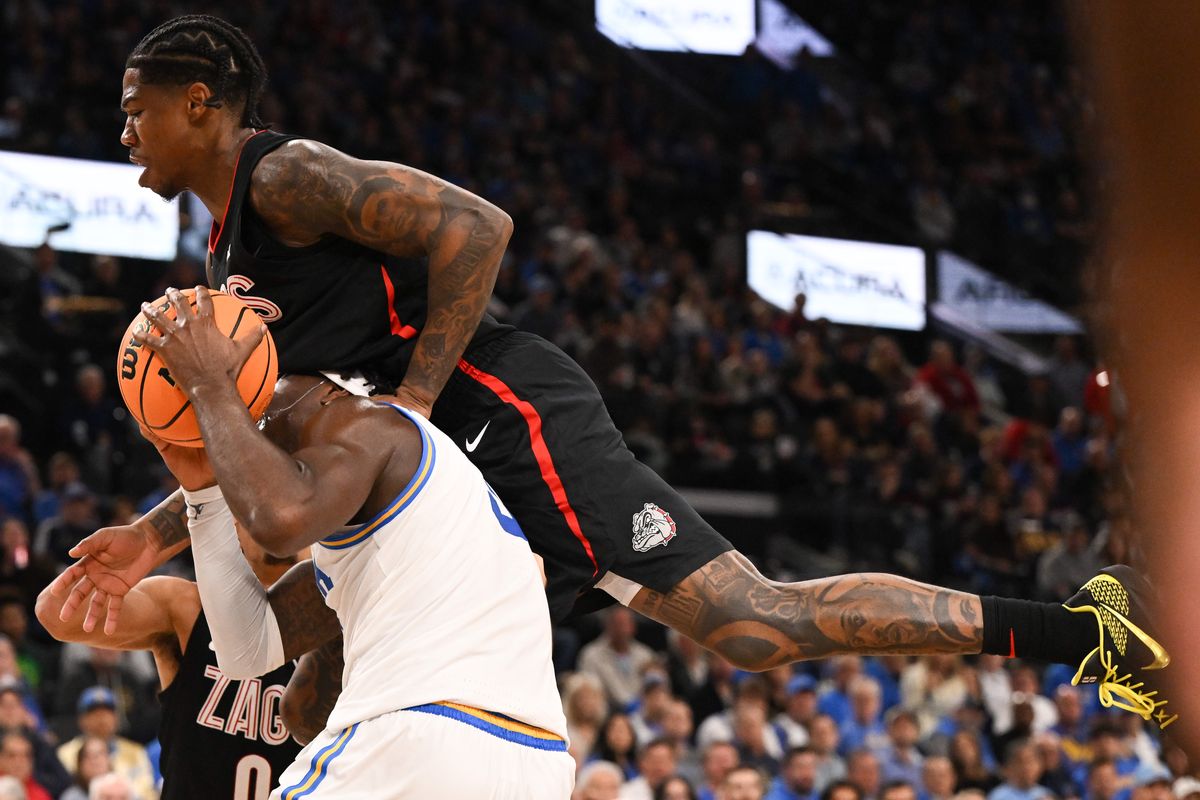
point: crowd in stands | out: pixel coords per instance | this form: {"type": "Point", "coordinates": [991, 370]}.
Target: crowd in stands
{"type": "Point", "coordinates": [968, 121]}
{"type": "Point", "coordinates": [906, 453]}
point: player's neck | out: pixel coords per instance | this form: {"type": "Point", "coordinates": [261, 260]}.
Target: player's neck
{"type": "Point", "coordinates": [215, 173]}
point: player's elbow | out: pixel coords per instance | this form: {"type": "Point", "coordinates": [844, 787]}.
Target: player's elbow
{"type": "Point", "coordinates": [496, 222]}
{"type": "Point", "coordinates": [282, 532]}
{"type": "Point", "coordinates": [236, 670]}
{"type": "Point", "coordinates": [243, 661]}
{"type": "Point", "coordinates": [506, 226]}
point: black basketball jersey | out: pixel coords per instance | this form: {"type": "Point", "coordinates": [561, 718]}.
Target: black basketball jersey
{"type": "Point", "coordinates": [222, 739]}
{"type": "Point", "coordinates": [332, 306]}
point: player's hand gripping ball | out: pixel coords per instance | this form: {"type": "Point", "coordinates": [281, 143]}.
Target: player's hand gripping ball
{"type": "Point", "coordinates": [152, 395]}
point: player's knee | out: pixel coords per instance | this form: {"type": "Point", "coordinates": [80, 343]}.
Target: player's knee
{"type": "Point", "coordinates": [761, 627]}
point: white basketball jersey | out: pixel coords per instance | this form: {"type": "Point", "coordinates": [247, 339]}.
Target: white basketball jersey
{"type": "Point", "coordinates": [440, 600]}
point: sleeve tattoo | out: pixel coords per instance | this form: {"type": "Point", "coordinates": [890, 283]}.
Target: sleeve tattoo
{"type": "Point", "coordinates": [311, 189]}
{"type": "Point", "coordinates": [728, 607]}
{"type": "Point", "coordinates": [169, 522]}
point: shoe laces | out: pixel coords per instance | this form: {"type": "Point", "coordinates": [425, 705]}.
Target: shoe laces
{"type": "Point", "coordinates": [1120, 691]}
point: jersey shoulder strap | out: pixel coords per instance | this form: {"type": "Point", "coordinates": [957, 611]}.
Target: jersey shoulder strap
{"type": "Point", "coordinates": [253, 149]}
{"type": "Point", "coordinates": [193, 651]}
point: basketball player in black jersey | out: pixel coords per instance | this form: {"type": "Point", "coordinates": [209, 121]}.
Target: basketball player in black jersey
{"type": "Point", "coordinates": [221, 739]}
{"type": "Point", "coordinates": [382, 269]}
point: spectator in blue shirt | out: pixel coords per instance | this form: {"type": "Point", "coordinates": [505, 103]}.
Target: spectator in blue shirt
{"type": "Point", "coordinates": [1023, 769]}
{"type": "Point", "coordinates": [823, 740]}
{"type": "Point", "coordinates": [61, 471]}
{"type": "Point", "coordinates": [1107, 745]}
{"type": "Point", "coordinates": [719, 759]}
{"type": "Point", "coordinates": [800, 707]}
{"type": "Point", "coordinates": [1072, 726]}
{"type": "Point", "coordinates": [900, 761]}
{"type": "Point", "coordinates": [864, 728]}
{"type": "Point", "coordinates": [938, 781]}
{"type": "Point", "coordinates": [18, 474]}
{"type": "Point", "coordinates": [835, 701]}
{"type": "Point", "coordinates": [798, 777]}
{"type": "Point", "coordinates": [1103, 782]}
{"type": "Point", "coordinates": [862, 770]}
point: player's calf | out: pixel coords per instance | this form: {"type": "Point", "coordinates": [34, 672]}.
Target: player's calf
{"type": "Point", "coordinates": [757, 624]}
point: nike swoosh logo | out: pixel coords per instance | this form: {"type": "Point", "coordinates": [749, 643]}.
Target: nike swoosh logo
{"type": "Point", "coordinates": [1161, 657]}
{"type": "Point", "coordinates": [473, 443]}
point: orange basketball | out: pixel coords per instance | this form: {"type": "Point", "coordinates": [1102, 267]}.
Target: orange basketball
{"type": "Point", "coordinates": [155, 400]}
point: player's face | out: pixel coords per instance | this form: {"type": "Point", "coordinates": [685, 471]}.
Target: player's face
{"type": "Point", "coordinates": [158, 132]}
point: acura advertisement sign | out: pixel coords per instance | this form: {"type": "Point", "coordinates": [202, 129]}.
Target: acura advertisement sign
{"type": "Point", "coordinates": [845, 281]}
{"type": "Point", "coordinates": [108, 212]}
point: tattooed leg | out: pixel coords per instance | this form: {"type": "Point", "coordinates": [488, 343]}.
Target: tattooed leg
{"type": "Point", "coordinates": [757, 624]}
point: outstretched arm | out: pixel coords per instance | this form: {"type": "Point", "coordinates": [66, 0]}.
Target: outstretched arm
{"type": "Point", "coordinates": [757, 624]}
{"type": "Point", "coordinates": [305, 190]}
{"type": "Point", "coordinates": [157, 609]}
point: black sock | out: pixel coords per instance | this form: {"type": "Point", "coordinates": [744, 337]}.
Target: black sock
{"type": "Point", "coordinates": [1043, 631]}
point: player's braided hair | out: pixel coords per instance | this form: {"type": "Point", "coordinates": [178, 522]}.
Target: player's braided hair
{"type": "Point", "coordinates": [199, 47]}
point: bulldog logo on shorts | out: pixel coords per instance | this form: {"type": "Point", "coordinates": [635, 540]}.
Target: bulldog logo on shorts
{"type": "Point", "coordinates": [651, 527]}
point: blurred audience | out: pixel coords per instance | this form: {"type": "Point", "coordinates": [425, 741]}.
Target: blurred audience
{"type": "Point", "coordinates": [957, 123]}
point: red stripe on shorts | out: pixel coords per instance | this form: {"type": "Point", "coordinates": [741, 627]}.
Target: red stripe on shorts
{"type": "Point", "coordinates": [398, 329]}
{"type": "Point", "coordinates": [540, 452]}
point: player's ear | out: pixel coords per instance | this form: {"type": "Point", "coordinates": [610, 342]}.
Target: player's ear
{"type": "Point", "coordinates": [334, 394]}
{"type": "Point", "coordinates": [200, 98]}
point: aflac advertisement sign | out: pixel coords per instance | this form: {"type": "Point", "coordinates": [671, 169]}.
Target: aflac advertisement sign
{"type": "Point", "coordinates": [844, 280]}
{"type": "Point", "coordinates": [109, 213]}
{"type": "Point", "coordinates": [980, 296]}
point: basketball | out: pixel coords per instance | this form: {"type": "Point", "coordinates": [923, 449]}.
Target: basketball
{"type": "Point", "coordinates": [151, 394]}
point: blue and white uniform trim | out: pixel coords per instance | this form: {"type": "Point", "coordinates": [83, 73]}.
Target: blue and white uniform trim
{"type": "Point", "coordinates": [498, 725]}
{"type": "Point", "coordinates": [319, 767]}
{"type": "Point", "coordinates": [360, 533]}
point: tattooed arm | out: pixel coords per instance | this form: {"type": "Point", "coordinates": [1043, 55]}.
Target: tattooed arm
{"type": "Point", "coordinates": [757, 624]}
{"type": "Point", "coordinates": [311, 693]}
{"type": "Point", "coordinates": [166, 526]}
{"type": "Point", "coordinates": [305, 190]}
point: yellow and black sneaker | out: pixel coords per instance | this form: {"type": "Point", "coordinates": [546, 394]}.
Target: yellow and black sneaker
{"type": "Point", "coordinates": [1118, 598]}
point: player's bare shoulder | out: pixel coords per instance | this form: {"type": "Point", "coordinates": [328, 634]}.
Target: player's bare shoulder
{"type": "Point", "coordinates": [349, 419]}
{"type": "Point", "coordinates": [304, 190]}
{"type": "Point", "coordinates": [299, 191]}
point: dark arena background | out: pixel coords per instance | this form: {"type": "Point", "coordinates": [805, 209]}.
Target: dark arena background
{"type": "Point", "coordinates": [828, 264]}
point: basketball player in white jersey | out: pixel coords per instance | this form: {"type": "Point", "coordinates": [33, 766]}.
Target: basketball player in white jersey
{"type": "Point", "coordinates": [448, 686]}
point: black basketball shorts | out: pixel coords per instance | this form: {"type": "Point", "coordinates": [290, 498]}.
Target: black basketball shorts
{"type": "Point", "coordinates": [534, 423]}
